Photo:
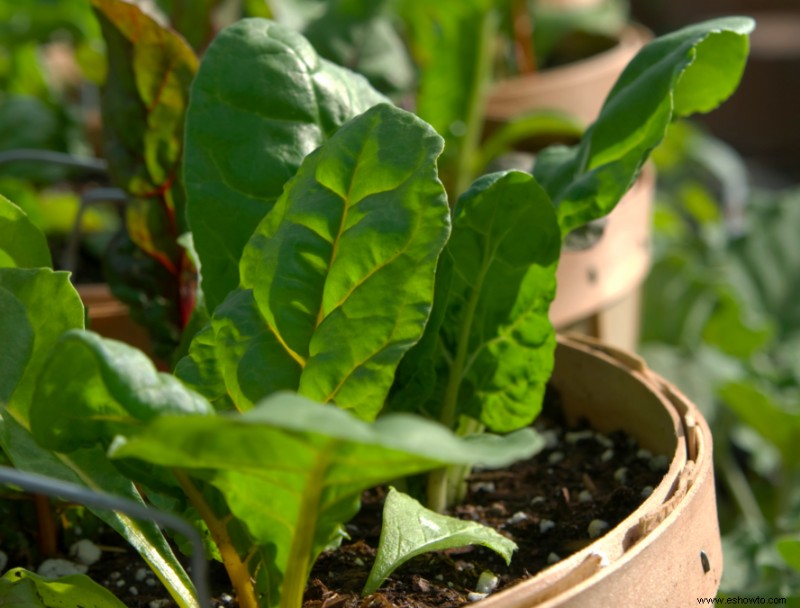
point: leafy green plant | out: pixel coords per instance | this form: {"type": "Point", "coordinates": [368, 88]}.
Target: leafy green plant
{"type": "Point", "coordinates": [335, 274]}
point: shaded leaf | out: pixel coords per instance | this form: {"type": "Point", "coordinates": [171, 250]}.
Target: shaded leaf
{"type": "Point", "coordinates": [22, 245]}
{"type": "Point", "coordinates": [679, 74]}
{"type": "Point", "coordinates": [43, 306]}
{"type": "Point", "coordinates": [144, 101]}
{"type": "Point", "coordinates": [144, 97]}
{"type": "Point", "coordinates": [766, 415]}
{"type": "Point", "coordinates": [20, 588]}
{"type": "Point", "coordinates": [361, 36]}
{"type": "Point", "coordinates": [293, 470]}
{"type": "Point", "coordinates": [111, 387]}
{"type": "Point", "coordinates": [409, 529]}
{"type": "Point", "coordinates": [496, 342]}
{"type": "Point", "coordinates": [245, 137]}
{"type": "Point", "coordinates": [51, 306]}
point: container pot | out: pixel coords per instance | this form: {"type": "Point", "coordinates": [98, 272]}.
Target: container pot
{"type": "Point", "coordinates": [667, 552]}
{"type": "Point", "coordinates": [579, 88]}
{"type": "Point", "coordinates": [599, 288]}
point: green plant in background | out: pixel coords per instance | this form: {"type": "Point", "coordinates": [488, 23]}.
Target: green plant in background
{"type": "Point", "coordinates": [721, 320]}
{"type": "Point", "coordinates": [334, 273]}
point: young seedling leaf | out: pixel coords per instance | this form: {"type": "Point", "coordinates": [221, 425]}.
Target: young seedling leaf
{"type": "Point", "coordinates": [496, 343]}
{"type": "Point", "coordinates": [246, 136]}
{"type": "Point", "coordinates": [338, 280]}
{"type": "Point", "coordinates": [22, 245]}
{"type": "Point", "coordinates": [292, 470]}
{"type": "Point", "coordinates": [409, 529]}
{"type": "Point", "coordinates": [692, 70]}
{"type": "Point", "coordinates": [19, 588]}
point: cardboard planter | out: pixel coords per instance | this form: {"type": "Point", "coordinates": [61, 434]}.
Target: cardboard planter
{"type": "Point", "coordinates": [667, 552]}
{"type": "Point", "coordinates": [578, 89]}
{"type": "Point", "coordinates": [598, 290]}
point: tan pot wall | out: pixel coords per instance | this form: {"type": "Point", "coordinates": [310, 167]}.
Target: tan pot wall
{"type": "Point", "coordinates": [598, 287]}
{"type": "Point", "coordinates": [667, 553]}
{"type": "Point", "coordinates": [578, 89]}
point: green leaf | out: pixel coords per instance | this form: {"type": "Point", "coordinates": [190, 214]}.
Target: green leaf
{"type": "Point", "coordinates": [789, 548]}
{"type": "Point", "coordinates": [22, 245]}
{"type": "Point", "coordinates": [692, 70]}
{"type": "Point", "coordinates": [293, 470]}
{"type": "Point", "coordinates": [17, 333]}
{"type": "Point", "coordinates": [766, 415]}
{"type": "Point", "coordinates": [246, 136]}
{"type": "Point", "coordinates": [338, 280]}
{"type": "Point", "coordinates": [20, 588]}
{"type": "Point", "coordinates": [196, 24]}
{"type": "Point", "coordinates": [41, 305]}
{"type": "Point", "coordinates": [361, 36]}
{"type": "Point", "coordinates": [51, 306]}
{"type": "Point", "coordinates": [409, 529]}
{"type": "Point", "coordinates": [111, 388]}
{"type": "Point", "coordinates": [496, 342]}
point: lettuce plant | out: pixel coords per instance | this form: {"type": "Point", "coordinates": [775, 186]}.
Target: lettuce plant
{"type": "Point", "coordinates": [360, 331]}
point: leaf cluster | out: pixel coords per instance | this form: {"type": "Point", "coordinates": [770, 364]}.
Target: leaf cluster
{"type": "Point", "coordinates": [342, 293]}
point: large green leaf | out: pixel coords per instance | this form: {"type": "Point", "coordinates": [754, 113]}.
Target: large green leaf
{"type": "Point", "coordinates": [409, 529]}
{"type": "Point", "coordinates": [22, 245]}
{"type": "Point", "coordinates": [293, 470]}
{"type": "Point", "coordinates": [337, 281]}
{"type": "Point", "coordinates": [111, 387]}
{"type": "Point", "coordinates": [692, 70]}
{"type": "Point", "coordinates": [20, 588]}
{"type": "Point", "coordinates": [496, 342]}
{"type": "Point", "coordinates": [247, 135]}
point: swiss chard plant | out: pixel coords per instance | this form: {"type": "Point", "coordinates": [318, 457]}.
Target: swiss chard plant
{"type": "Point", "coordinates": [360, 331]}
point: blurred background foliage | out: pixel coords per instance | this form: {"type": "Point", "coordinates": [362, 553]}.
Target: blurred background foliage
{"type": "Point", "coordinates": [721, 320]}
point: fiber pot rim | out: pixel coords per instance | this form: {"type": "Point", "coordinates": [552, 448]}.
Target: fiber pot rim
{"type": "Point", "coordinates": [665, 551]}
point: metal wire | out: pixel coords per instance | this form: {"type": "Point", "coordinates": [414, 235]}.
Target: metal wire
{"type": "Point", "coordinates": [33, 482]}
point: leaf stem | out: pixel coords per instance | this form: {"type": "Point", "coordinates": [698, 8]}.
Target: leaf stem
{"type": "Point", "coordinates": [477, 104]}
{"type": "Point", "coordinates": [237, 570]}
{"type": "Point", "coordinates": [300, 552]}
{"type": "Point", "coordinates": [440, 480]}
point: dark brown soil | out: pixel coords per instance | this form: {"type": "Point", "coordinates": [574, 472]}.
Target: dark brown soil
{"type": "Point", "coordinates": [545, 504]}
